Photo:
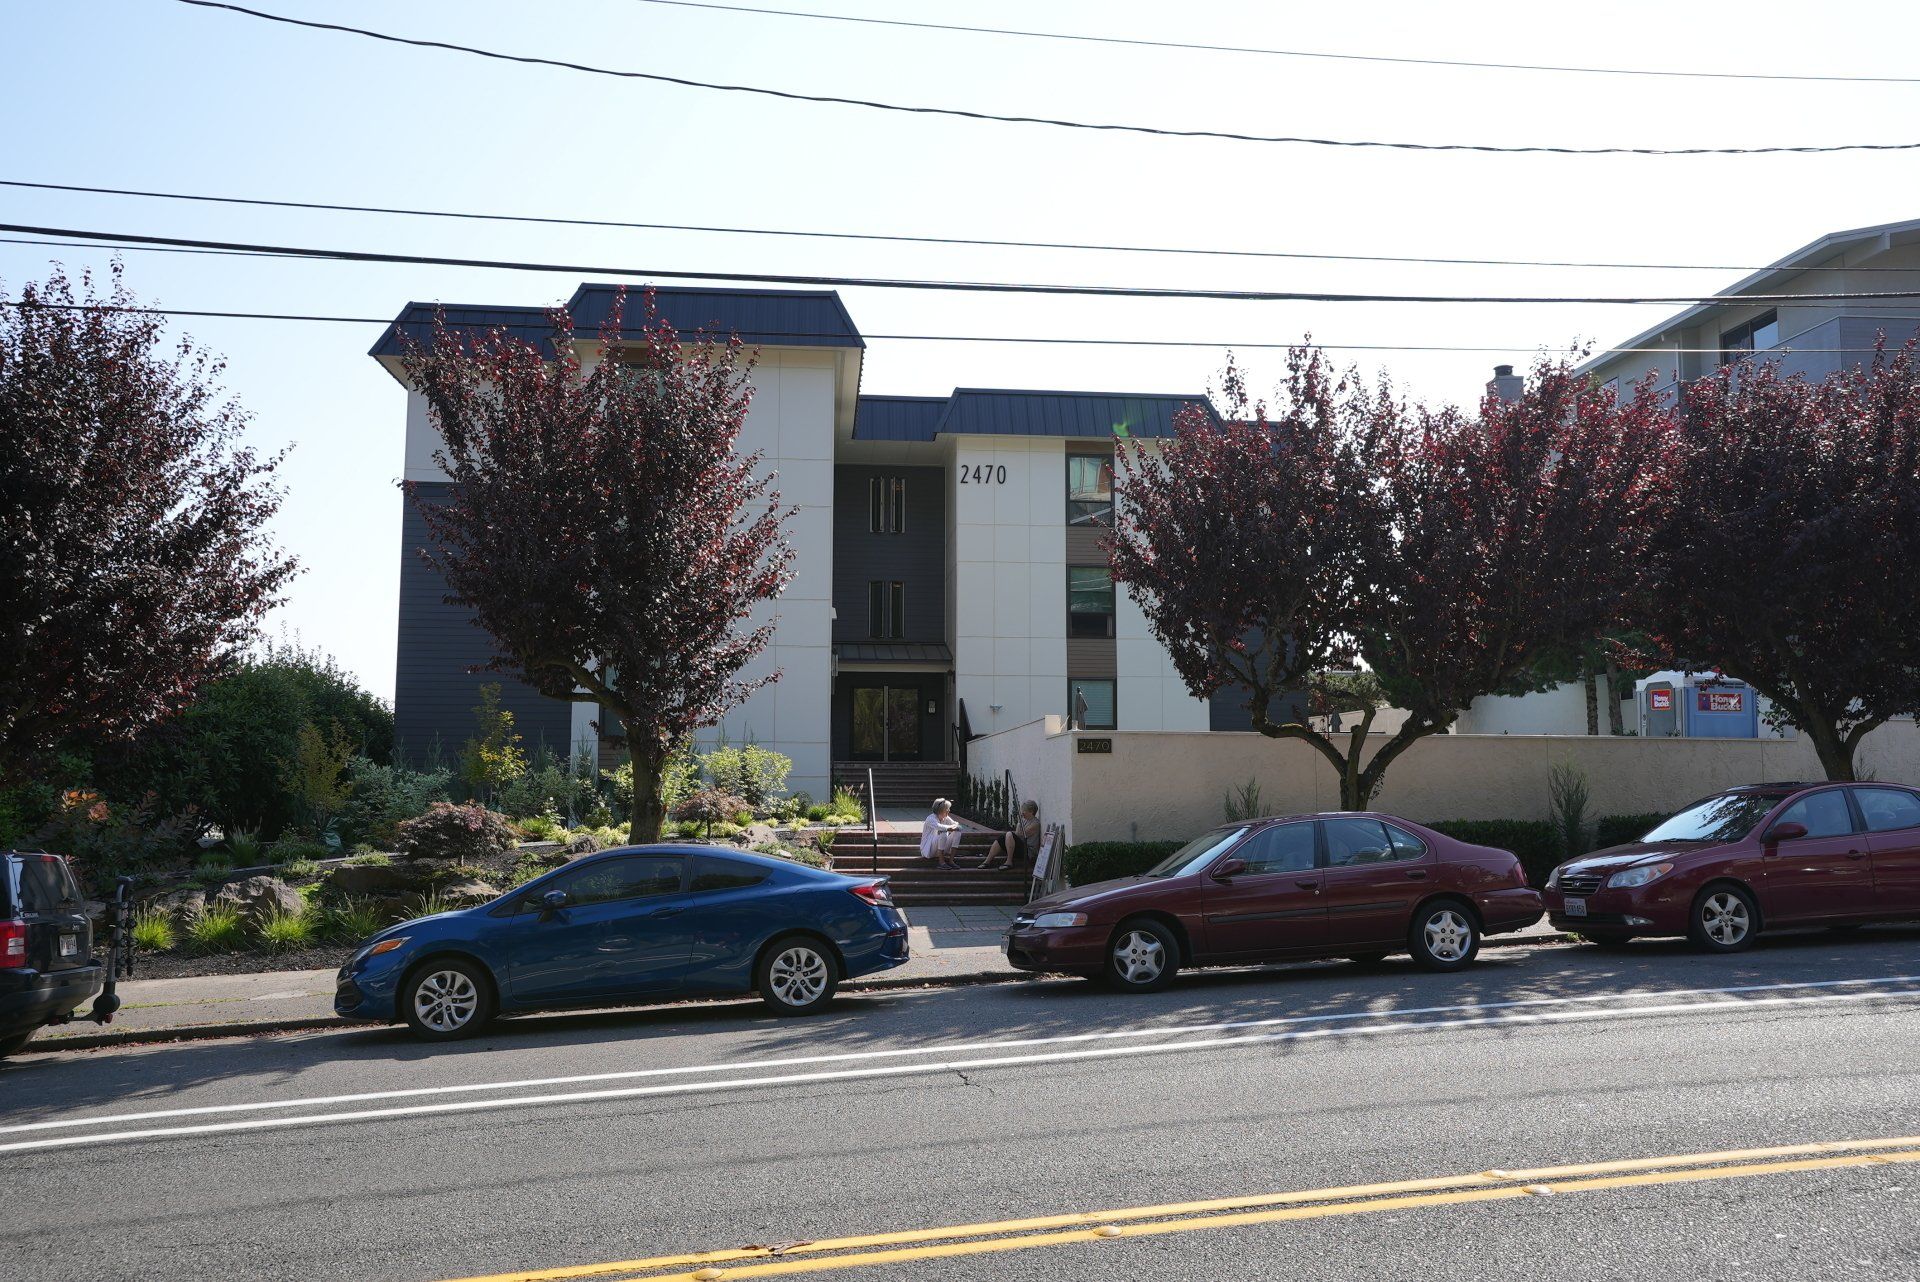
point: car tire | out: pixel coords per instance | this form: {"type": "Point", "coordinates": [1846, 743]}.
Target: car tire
{"type": "Point", "coordinates": [1366, 959]}
{"type": "Point", "coordinates": [1724, 919]}
{"type": "Point", "coordinates": [796, 975]}
{"type": "Point", "coordinates": [1142, 956]}
{"type": "Point", "coordinates": [447, 998]}
{"type": "Point", "coordinates": [1444, 935]}
{"type": "Point", "coordinates": [13, 1042]}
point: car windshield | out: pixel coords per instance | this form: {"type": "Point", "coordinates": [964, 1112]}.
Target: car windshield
{"type": "Point", "coordinates": [1728, 817]}
{"type": "Point", "coordinates": [1196, 853]}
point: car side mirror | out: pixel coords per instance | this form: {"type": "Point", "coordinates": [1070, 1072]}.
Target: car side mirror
{"type": "Point", "coordinates": [553, 901]}
{"type": "Point", "coordinates": [1229, 869]}
{"type": "Point", "coordinates": [1786, 832]}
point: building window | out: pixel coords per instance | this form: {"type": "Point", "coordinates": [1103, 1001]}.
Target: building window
{"type": "Point", "coordinates": [1098, 696]}
{"type": "Point", "coordinates": [1757, 335]}
{"type": "Point", "coordinates": [1089, 489]}
{"type": "Point", "coordinates": [887, 504]}
{"type": "Point", "coordinates": [886, 609]}
{"type": "Point", "coordinates": [1089, 602]}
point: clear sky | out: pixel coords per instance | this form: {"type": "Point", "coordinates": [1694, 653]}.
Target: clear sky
{"type": "Point", "coordinates": [158, 95]}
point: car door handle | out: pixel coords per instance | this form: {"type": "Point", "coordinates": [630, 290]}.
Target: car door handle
{"type": "Point", "coordinates": [1417, 874]}
{"type": "Point", "coordinates": [665, 912]}
{"type": "Point", "coordinates": [1856, 854]}
{"type": "Point", "coordinates": [1307, 885]}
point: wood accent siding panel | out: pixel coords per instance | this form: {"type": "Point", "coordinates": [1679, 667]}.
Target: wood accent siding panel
{"type": "Point", "coordinates": [1083, 541]}
{"type": "Point", "coordinates": [433, 693]}
{"type": "Point", "coordinates": [916, 557]}
{"type": "Point", "coordinates": [1094, 659]}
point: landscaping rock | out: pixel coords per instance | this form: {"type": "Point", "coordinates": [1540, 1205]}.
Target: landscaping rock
{"type": "Point", "coordinates": [756, 834]}
{"type": "Point", "coordinates": [468, 893]}
{"type": "Point", "coordinates": [185, 906]}
{"type": "Point", "coordinates": [259, 898]}
{"type": "Point", "coordinates": [358, 881]}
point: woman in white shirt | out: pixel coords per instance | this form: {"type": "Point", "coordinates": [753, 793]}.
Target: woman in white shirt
{"type": "Point", "coordinates": [940, 835]}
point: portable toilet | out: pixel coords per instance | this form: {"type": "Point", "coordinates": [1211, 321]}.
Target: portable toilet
{"type": "Point", "coordinates": [1720, 708]}
{"type": "Point", "coordinates": [1659, 707]}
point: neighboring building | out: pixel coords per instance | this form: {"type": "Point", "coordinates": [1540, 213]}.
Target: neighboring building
{"type": "Point", "coordinates": [1813, 338]}
{"type": "Point", "coordinates": [949, 571]}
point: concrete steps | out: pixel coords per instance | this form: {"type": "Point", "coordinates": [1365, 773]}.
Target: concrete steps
{"type": "Point", "coordinates": [918, 882]}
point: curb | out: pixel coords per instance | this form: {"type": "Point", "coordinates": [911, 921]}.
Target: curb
{"type": "Point", "coordinates": [263, 1027]}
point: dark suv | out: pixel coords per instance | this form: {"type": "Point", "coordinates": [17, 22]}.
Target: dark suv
{"type": "Point", "coordinates": [47, 963]}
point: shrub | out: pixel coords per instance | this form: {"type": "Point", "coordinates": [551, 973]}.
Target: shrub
{"type": "Point", "coordinates": [350, 922]}
{"type": "Point", "coordinates": [214, 863]}
{"type": "Point", "coordinates": [1567, 799]}
{"type": "Point", "coordinates": [1092, 861]}
{"type": "Point", "coordinates": [544, 827]}
{"type": "Point", "coordinates": [294, 850]}
{"type": "Point", "coordinates": [548, 786]}
{"type": "Point", "coordinates": [708, 807]}
{"type": "Point", "coordinates": [1243, 803]}
{"type": "Point", "coordinates": [457, 833]}
{"type": "Point", "coordinates": [492, 758]}
{"type": "Point", "coordinates": [1535, 841]}
{"type": "Point", "coordinates": [385, 796]}
{"type": "Point", "coordinates": [102, 839]}
{"type": "Point", "coordinates": [846, 802]}
{"type": "Point", "coordinates": [756, 775]}
{"type": "Point", "coordinates": [818, 814]}
{"type": "Point", "coordinates": [1618, 830]}
{"type": "Point", "coordinates": [371, 859]}
{"type": "Point", "coordinates": [285, 932]}
{"type": "Point", "coordinates": [300, 870]}
{"type": "Point", "coordinates": [245, 849]}
{"type": "Point", "coordinates": [153, 930]}
{"type": "Point", "coordinates": [219, 929]}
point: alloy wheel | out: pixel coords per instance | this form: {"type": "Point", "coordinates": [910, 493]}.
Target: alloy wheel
{"type": "Point", "coordinates": [445, 1001]}
{"type": "Point", "coordinates": [1139, 957]}
{"type": "Point", "coordinates": [1724, 918]}
{"type": "Point", "coordinates": [798, 975]}
{"type": "Point", "coordinates": [1449, 935]}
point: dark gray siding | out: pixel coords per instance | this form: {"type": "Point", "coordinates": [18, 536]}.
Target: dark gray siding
{"type": "Point", "coordinates": [932, 687]}
{"type": "Point", "coordinates": [1227, 709]}
{"type": "Point", "coordinates": [434, 694]}
{"type": "Point", "coordinates": [1092, 657]}
{"type": "Point", "coordinates": [917, 556]}
{"type": "Point", "coordinates": [1854, 335]}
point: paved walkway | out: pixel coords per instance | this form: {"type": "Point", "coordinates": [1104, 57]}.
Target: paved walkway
{"type": "Point", "coordinates": [949, 945]}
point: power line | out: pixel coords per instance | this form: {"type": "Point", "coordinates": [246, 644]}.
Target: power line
{"type": "Point", "coordinates": [1104, 127]}
{"type": "Point", "coordinates": [948, 286]}
{"type": "Point", "coordinates": [1080, 37]}
{"type": "Point", "coordinates": [554, 220]}
{"type": "Point", "coordinates": [1046, 340]}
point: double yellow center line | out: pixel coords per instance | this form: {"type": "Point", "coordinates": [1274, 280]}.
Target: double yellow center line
{"type": "Point", "coordinates": [1232, 1212]}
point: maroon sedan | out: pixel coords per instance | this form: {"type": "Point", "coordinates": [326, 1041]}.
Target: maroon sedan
{"type": "Point", "coordinates": [1352, 885]}
{"type": "Point", "coordinates": [1748, 859]}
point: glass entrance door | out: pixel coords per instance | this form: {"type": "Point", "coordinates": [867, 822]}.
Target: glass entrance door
{"type": "Point", "coordinates": [886, 723]}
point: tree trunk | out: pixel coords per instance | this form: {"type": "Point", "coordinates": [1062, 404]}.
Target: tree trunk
{"type": "Point", "coordinates": [643, 823]}
{"type": "Point", "coordinates": [1593, 697]}
{"type": "Point", "coordinates": [1615, 726]}
{"type": "Point", "coordinates": [1835, 753]}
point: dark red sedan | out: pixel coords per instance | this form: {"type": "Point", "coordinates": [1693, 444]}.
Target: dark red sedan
{"type": "Point", "coordinates": [1353, 885]}
{"type": "Point", "coordinates": [1748, 859]}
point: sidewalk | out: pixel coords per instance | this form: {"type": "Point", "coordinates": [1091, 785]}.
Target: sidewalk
{"type": "Point", "coordinates": [950, 946]}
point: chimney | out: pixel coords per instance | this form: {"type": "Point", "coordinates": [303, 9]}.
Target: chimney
{"type": "Point", "coordinates": [1506, 384]}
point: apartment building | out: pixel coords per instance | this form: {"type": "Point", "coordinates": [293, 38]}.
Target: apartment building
{"type": "Point", "coordinates": [949, 578]}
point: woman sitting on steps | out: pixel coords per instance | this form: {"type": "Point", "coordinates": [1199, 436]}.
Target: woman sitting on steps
{"type": "Point", "coordinates": [940, 835]}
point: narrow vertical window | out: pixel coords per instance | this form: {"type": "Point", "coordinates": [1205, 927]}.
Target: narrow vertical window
{"type": "Point", "coordinates": [897, 610]}
{"type": "Point", "coordinates": [874, 504]}
{"type": "Point", "coordinates": [876, 609]}
{"type": "Point", "coordinates": [899, 524]}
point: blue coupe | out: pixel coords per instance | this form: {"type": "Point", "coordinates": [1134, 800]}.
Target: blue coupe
{"type": "Point", "coordinates": [640, 924]}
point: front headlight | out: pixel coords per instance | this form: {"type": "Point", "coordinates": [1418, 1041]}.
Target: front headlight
{"type": "Point", "coordinates": [1637, 876]}
{"type": "Point", "coordinates": [1053, 921]}
{"type": "Point", "coordinates": [374, 950]}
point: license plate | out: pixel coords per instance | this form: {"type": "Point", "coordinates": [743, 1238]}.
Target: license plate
{"type": "Point", "coordinates": [1576, 907]}
{"type": "Point", "coordinates": [69, 945]}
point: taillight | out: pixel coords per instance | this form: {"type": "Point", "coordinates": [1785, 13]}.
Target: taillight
{"type": "Point", "coordinates": [13, 943]}
{"type": "Point", "coordinates": [1520, 873]}
{"type": "Point", "coordinates": [874, 892]}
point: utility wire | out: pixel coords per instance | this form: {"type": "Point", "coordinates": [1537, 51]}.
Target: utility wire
{"type": "Point", "coordinates": [1106, 127]}
{"type": "Point", "coordinates": [946, 286]}
{"type": "Point", "coordinates": [1083, 38]}
{"type": "Point", "coordinates": [1006, 338]}
{"type": "Point", "coordinates": [554, 220]}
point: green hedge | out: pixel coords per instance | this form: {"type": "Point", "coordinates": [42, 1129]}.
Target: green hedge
{"type": "Point", "coordinates": [1092, 861]}
{"type": "Point", "coordinates": [1535, 841]}
{"type": "Point", "coordinates": [1618, 830]}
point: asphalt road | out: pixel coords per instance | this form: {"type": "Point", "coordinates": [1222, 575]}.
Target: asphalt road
{"type": "Point", "coordinates": [1077, 1153]}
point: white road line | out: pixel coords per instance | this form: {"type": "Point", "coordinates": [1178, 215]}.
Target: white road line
{"type": "Point", "coordinates": [945, 1048]}
{"type": "Point", "coordinates": [937, 1066]}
